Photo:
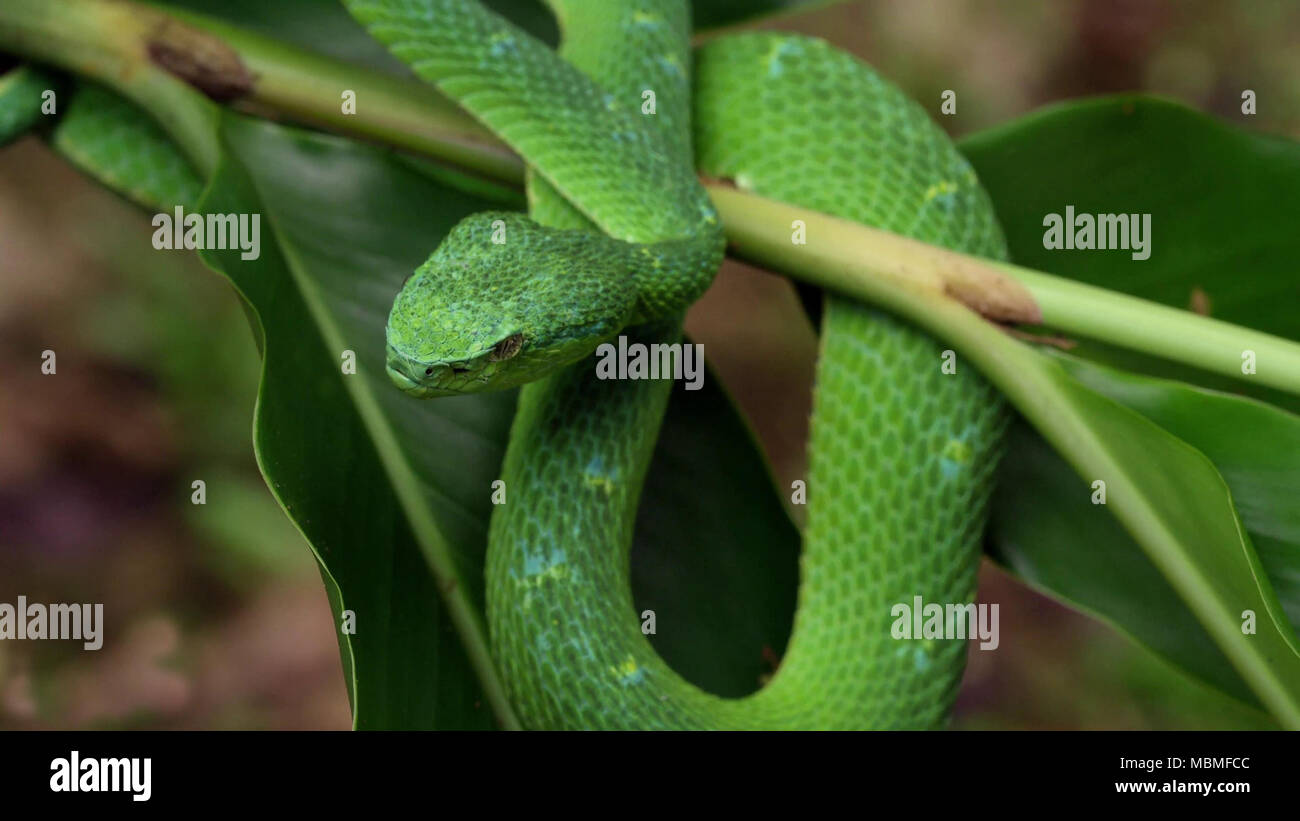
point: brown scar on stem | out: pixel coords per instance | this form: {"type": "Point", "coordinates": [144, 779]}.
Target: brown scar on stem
{"type": "Point", "coordinates": [1199, 302]}
{"type": "Point", "coordinates": [970, 281]}
{"type": "Point", "coordinates": [1062, 342]}
{"type": "Point", "coordinates": [199, 59]}
{"type": "Point", "coordinates": [994, 297]}
{"type": "Point", "coordinates": [721, 182]}
{"type": "Point", "coordinates": [773, 662]}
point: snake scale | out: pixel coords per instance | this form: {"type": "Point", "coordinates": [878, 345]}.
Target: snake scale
{"type": "Point", "coordinates": [622, 239]}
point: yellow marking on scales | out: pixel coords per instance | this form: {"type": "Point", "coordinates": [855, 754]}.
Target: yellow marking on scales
{"type": "Point", "coordinates": [939, 189]}
{"type": "Point", "coordinates": [629, 672]}
{"type": "Point", "coordinates": [598, 476]}
{"type": "Point", "coordinates": [501, 42]}
{"type": "Point", "coordinates": [544, 565]}
{"type": "Point", "coordinates": [671, 62]}
{"type": "Point", "coordinates": [780, 48]}
{"type": "Point", "coordinates": [955, 458]}
{"type": "Point", "coordinates": [656, 259]}
{"type": "Point", "coordinates": [957, 451]}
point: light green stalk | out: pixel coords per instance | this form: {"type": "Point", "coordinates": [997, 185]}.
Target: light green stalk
{"type": "Point", "coordinates": [110, 40]}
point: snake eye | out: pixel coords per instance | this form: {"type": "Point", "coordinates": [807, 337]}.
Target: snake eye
{"type": "Point", "coordinates": [507, 348]}
{"type": "Point", "coordinates": [428, 371]}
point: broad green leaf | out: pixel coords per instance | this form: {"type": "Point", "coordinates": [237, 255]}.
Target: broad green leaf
{"type": "Point", "coordinates": [1172, 502]}
{"type": "Point", "coordinates": [1222, 202]}
{"type": "Point", "coordinates": [1217, 196]}
{"type": "Point", "coordinates": [1061, 544]}
{"type": "Point", "coordinates": [315, 427]}
{"type": "Point", "coordinates": [1054, 538]}
{"type": "Point", "coordinates": [1254, 446]}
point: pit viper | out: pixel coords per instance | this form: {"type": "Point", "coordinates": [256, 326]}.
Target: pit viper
{"type": "Point", "coordinates": [620, 239]}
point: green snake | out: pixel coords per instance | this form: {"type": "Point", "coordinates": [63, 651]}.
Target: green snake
{"type": "Point", "coordinates": [621, 238]}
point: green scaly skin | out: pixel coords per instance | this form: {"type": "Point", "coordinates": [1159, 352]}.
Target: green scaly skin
{"type": "Point", "coordinates": [671, 240]}
{"type": "Point", "coordinates": [901, 454]}
{"type": "Point", "coordinates": [105, 135]}
{"type": "Point", "coordinates": [116, 142]}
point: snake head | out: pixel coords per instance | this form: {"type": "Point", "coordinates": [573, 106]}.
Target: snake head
{"type": "Point", "coordinates": [504, 301]}
{"type": "Point", "coordinates": [451, 377]}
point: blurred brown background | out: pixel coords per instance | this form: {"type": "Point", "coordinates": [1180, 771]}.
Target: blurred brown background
{"type": "Point", "coordinates": [218, 616]}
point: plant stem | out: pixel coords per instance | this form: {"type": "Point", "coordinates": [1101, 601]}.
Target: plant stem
{"type": "Point", "coordinates": [111, 43]}
{"type": "Point", "coordinates": [1178, 335]}
{"type": "Point", "coordinates": [411, 115]}
{"type": "Point", "coordinates": [408, 114]}
{"type": "Point", "coordinates": [868, 263]}
{"type": "Point", "coordinates": [107, 39]}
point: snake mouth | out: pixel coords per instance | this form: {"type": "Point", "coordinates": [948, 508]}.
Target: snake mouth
{"type": "Point", "coordinates": [403, 373]}
{"type": "Point", "coordinates": [418, 389]}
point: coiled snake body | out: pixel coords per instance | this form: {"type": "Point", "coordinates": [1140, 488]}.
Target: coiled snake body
{"type": "Point", "coordinates": [622, 239]}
